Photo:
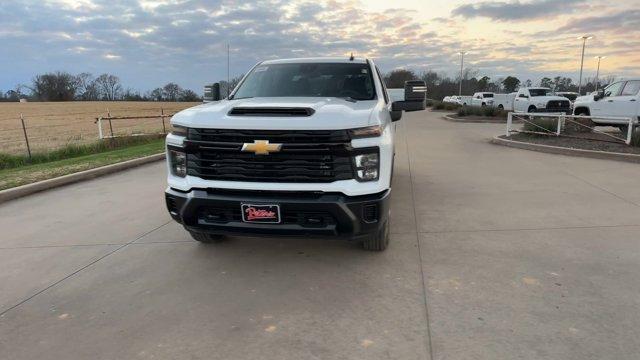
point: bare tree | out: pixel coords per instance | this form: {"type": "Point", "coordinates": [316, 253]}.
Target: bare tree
{"type": "Point", "coordinates": [171, 92]}
{"type": "Point", "coordinates": [109, 86]}
{"type": "Point", "coordinates": [58, 86]}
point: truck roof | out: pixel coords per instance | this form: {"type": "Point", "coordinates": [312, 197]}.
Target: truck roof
{"type": "Point", "coordinates": [343, 59]}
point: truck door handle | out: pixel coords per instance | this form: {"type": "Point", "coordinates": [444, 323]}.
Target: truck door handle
{"type": "Point", "coordinates": [609, 100]}
{"type": "Point", "coordinates": [632, 100]}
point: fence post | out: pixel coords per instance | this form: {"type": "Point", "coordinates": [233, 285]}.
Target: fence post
{"type": "Point", "coordinates": [164, 129]}
{"type": "Point", "coordinates": [509, 121]}
{"type": "Point", "coordinates": [99, 121]}
{"type": "Point", "coordinates": [560, 124]}
{"type": "Point", "coordinates": [26, 138]}
{"type": "Point", "coordinates": [110, 126]}
{"type": "Point", "coordinates": [629, 131]}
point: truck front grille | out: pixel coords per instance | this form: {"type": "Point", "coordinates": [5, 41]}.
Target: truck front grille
{"type": "Point", "coordinates": [559, 104]}
{"type": "Point", "coordinates": [305, 156]}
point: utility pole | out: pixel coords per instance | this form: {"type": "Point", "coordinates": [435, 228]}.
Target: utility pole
{"type": "Point", "coordinates": [584, 43]}
{"type": "Point", "coordinates": [598, 71]}
{"type": "Point", "coordinates": [228, 78]}
{"type": "Point", "coordinates": [462, 53]}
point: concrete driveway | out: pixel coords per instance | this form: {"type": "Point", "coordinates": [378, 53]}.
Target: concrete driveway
{"type": "Point", "coordinates": [496, 253]}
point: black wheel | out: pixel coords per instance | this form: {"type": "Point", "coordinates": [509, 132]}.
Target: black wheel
{"type": "Point", "coordinates": [378, 241]}
{"type": "Point", "coordinates": [500, 107]}
{"type": "Point", "coordinates": [483, 105]}
{"type": "Point", "coordinates": [531, 109]}
{"type": "Point", "coordinates": [206, 238]}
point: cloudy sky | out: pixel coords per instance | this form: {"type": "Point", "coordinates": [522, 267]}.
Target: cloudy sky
{"type": "Point", "coordinates": [148, 43]}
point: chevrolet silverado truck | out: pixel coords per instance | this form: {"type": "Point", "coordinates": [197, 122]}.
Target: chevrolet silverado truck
{"type": "Point", "coordinates": [620, 99]}
{"type": "Point", "coordinates": [540, 99]}
{"type": "Point", "coordinates": [300, 147]}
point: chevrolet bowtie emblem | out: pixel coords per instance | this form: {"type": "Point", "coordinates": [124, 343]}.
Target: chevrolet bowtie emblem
{"type": "Point", "coordinates": [261, 147]}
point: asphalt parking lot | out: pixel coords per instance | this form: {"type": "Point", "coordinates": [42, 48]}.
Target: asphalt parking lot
{"type": "Point", "coordinates": [496, 253]}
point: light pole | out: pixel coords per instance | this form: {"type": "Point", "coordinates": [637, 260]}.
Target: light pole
{"type": "Point", "coordinates": [598, 71]}
{"type": "Point", "coordinates": [462, 53]}
{"type": "Point", "coordinates": [584, 43]}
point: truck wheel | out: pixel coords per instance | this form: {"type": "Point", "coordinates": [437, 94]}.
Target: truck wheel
{"type": "Point", "coordinates": [500, 107]}
{"type": "Point", "coordinates": [531, 109]}
{"type": "Point", "coordinates": [483, 105]}
{"type": "Point", "coordinates": [206, 238]}
{"type": "Point", "coordinates": [379, 240]}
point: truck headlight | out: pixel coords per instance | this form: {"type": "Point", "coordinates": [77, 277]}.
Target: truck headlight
{"type": "Point", "coordinates": [367, 166]}
{"type": "Point", "coordinates": [541, 105]}
{"type": "Point", "coordinates": [369, 131]}
{"type": "Point", "coordinates": [178, 163]}
{"type": "Point", "coordinates": [179, 130]}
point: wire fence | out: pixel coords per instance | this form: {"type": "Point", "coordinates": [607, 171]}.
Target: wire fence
{"type": "Point", "coordinates": [38, 131]}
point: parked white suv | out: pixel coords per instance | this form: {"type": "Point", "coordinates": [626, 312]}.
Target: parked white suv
{"type": "Point", "coordinates": [540, 99]}
{"type": "Point", "coordinates": [300, 147]}
{"type": "Point", "coordinates": [620, 99]}
{"type": "Point", "coordinates": [482, 99]}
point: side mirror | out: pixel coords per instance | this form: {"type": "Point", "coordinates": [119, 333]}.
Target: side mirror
{"type": "Point", "coordinates": [599, 95]}
{"type": "Point", "coordinates": [212, 92]}
{"type": "Point", "coordinates": [415, 99]}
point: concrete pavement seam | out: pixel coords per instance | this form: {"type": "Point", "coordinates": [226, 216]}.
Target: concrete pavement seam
{"type": "Point", "coordinates": [4, 312]}
{"type": "Point", "coordinates": [531, 229]}
{"type": "Point", "coordinates": [422, 277]}
{"type": "Point", "coordinates": [601, 188]}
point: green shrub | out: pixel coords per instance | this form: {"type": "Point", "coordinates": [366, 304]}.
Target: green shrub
{"type": "Point", "coordinates": [8, 161]}
{"type": "Point", "coordinates": [486, 111]}
{"type": "Point", "coordinates": [540, 125]}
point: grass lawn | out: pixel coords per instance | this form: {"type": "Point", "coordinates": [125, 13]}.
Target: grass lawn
{"type": "Point", "coordinates": [22, 175]}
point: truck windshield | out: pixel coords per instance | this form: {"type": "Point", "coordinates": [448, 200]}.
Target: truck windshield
{"type": "Point", "coordinates": [346, 80]}
{"type": "Point", "coordinates": [540, 92]}
{"type": "Point", "coordinates": [488, 95]}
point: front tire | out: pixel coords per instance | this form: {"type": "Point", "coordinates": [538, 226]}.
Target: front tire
{"type": "Point", "coordinates": [206, 238]}
{"type": "Point", "coordinates": [500, 107]}
{"type": "Point", "coordinates": [378, 241]}
{"type": "Point", "coordinates": [531, 109]}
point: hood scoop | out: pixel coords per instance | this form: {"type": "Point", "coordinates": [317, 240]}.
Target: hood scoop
{"type": "Point", "coordinates": [272, 111]}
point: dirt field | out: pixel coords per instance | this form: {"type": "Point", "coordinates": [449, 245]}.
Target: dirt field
{"type": "Point", "coordinates": [53, 124]}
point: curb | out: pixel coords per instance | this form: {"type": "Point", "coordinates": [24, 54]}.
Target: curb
{"type": "Point", "coordinates": [475, 121]}
{"type": "Point", "coordinates": [28, 189]}
{"type": "Point", "coordinates": [595, 154]}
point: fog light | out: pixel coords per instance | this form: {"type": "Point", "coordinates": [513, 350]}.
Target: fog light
{"type": "Point", "coordinates": [178, 163]}
{"type": "Point", "coordinates": [367, 166]}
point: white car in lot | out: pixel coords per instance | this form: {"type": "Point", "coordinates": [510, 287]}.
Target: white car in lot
{"type": "Point", "coordinates": [540, 99]}
{"type": "Point", "coordinates": [446, 99]}
{"type": "Point", "coordinates": [482, 99]}
{"type": "Point", "coordinates": [620, 99]}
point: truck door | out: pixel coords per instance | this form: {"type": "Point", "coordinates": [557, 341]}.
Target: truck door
{"type": "Point", "coordinates": [607, 105]}
{"type": "Point", "coordinates": [521, 102]}
{"type": "Point", "coordinates": [626, 104]}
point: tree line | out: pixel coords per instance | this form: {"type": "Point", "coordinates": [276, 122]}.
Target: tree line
{"type": "Point", "coordinates": [62, 86]}
{"type": "Point", "coordinates": [441, 85]}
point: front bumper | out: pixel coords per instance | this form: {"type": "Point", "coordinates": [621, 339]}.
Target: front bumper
{"type": "Point", "coordinates": [302, 213]}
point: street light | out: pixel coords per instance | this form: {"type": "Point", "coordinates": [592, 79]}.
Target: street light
{"type": "Point", "coordinates": [462, 53]}
{"type": "Point", "coordinates": [584, 43]}
{"type": "Point", "coordinates": [598, 71]}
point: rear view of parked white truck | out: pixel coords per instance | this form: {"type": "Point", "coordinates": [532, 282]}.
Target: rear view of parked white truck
{"type": "Point", "coordinates": [482, 99]}
{"type": "Point", "coordinates": [300, 147]}
{"type": "Point", "coordinates": [620, 99]}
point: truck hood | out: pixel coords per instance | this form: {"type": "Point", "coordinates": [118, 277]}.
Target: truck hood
{"type": "Point", "coordinates": [328, 113]}
{"type": "Point", "coordinates": [584, 99]}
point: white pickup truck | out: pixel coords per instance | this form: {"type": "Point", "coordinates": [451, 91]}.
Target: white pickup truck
{"type": "Point", "coordinates": [620, 99]}
{"type": "Point", "coordinates": [300, 147]}
{"type": "Point", "coordinates": [540, 99]}
{"type": "Point", "coordinates": [482, 99]}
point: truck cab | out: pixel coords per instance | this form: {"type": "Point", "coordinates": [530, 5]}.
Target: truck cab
{"type": "Point", "coordinates": [620, 99]}
{"type": "Point", "coordinates": [540, 99]}
{"type": "Point", "coordinates": [482, 99]}
{"type": "Point", "coordinates": [300, 147]}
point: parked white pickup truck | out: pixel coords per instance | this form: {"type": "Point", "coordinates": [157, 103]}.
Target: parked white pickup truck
{"type": "Point", "coordinates": [300, 147]}
{"type": "Point", "coordinates": [531, 100]}
{"type": "Point", "coordinates": [620, 99]}
{"type": "Point", "coordinates": [482, 99]}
